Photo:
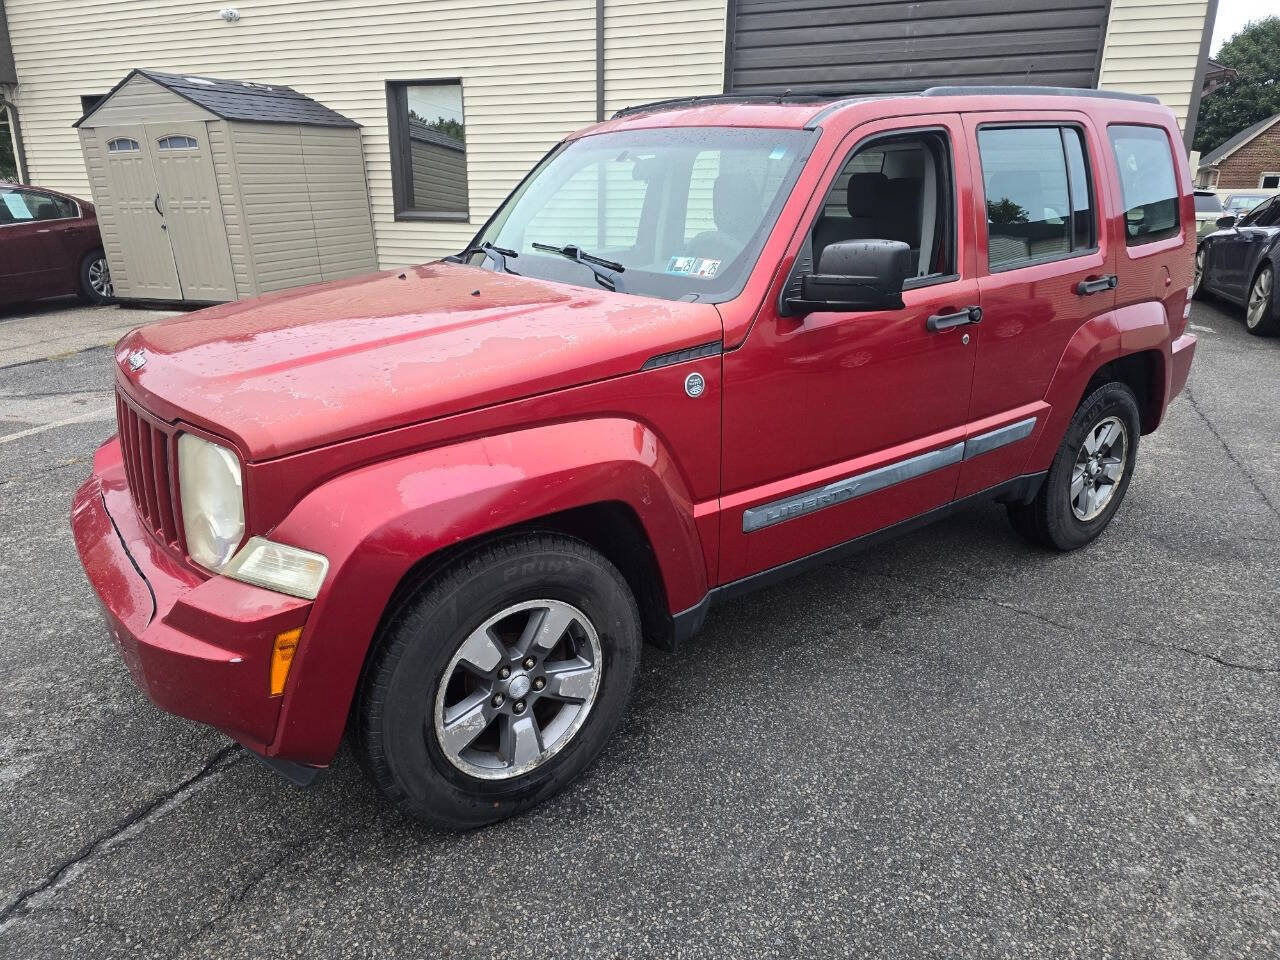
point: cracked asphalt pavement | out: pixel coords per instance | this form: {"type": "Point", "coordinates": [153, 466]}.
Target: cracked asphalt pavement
{"type": "Point", "coordinates": [953, 745]}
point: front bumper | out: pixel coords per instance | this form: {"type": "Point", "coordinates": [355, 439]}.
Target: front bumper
{"type": "Point", "coordinates": [197, 646]}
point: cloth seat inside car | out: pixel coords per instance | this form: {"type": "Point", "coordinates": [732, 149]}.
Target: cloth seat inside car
{"type": "Point", "coordinates": [880, 208]}
{"type": "Point", "coordinates": [735, 211]}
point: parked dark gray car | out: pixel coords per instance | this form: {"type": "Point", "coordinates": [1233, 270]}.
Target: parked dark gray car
{"type": "Point", "coordinates": [1238, 262]}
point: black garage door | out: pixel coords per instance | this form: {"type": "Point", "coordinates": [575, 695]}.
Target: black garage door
{"type": "Point", "coordinates": [859, 46]}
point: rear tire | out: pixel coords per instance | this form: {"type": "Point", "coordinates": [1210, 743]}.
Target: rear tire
{"type": "Point", "coordinates": [95, 278]}
{"type": "Point", "coordinates": [1260, 316]}
{"type": "Point", "coordinates": [462, 677]}
{"type": "Point", "coordinates": [1089, 476]}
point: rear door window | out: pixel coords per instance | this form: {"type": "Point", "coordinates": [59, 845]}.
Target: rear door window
{"type": "Point", "coordinates": [1148, 183]}
{"type": "Point", "coordinates": [1038, 193]}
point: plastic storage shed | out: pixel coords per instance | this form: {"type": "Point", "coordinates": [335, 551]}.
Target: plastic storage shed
{"type": "Point", "coordinates": [213, 190]}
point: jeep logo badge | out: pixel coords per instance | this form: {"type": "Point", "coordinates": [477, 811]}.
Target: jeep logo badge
{"type": "Point", "coordinates": [137, 360]}
{"type": "Point", "coordinates": [694, 385]}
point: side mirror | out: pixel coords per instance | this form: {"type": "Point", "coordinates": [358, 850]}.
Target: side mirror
{"type": "Point", "coordinates": [855, 275]}
{"type": "Point", "coordinates": [1227, 222]}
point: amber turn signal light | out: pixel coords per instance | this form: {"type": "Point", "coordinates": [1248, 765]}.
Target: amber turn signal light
{"type": "Point", "coordinates": [282, 658]}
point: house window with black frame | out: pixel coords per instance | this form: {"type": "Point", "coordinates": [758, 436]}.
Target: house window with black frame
{"type": "Point", "coordinates": [428, 150]}
{"type": "Point", "coordinates": [1038, 195]}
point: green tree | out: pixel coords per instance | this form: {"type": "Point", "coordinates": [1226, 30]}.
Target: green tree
{"type": "Point", "coordinates": [1254, 95]}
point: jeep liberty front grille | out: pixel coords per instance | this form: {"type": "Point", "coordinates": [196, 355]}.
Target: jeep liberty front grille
{"type": "Point", "coordinates": [149, 448]}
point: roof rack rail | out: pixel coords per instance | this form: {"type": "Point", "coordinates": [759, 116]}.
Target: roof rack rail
{"type": "Point", "coordinates": [979, 91]}
{"type": "Point", "coordinates": [802, 96]}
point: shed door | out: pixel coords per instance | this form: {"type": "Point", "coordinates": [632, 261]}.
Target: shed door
{"type": "Point", "coordinates": [149, 271]}
{"type": "Point", "coordinates": [192, 209]}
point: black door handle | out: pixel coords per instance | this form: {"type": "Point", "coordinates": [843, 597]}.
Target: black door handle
{"type": "Point", "coordinates": [945, 321]}
{"type": "Point", "coordinates": [1086, 287]}
{"type": "Point", "coordinates": [156, 203]}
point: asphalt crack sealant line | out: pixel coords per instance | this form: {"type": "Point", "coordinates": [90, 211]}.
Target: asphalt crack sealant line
{"type": "Point", "coordinates": [65, 872]}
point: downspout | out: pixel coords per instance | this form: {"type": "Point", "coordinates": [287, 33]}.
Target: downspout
{"type": "Point", "coordinates": [15, 133]}
{"type": "Point", "coordinates": [599, 60]}
{"type": "Point", "coordinates": [1193, 108]}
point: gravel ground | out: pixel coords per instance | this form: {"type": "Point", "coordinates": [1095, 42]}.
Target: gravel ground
{"type": "Point", "coordinates": [951, 746]}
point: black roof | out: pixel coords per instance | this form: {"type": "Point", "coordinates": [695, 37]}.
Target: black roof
{"type": "Point", "coordinates": [1218, 153]}
{"type": "Point", "coordinates": [239, 100]}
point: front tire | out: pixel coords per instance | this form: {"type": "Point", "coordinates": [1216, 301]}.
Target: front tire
{"type": "Point", "coordinates": [95, 278]}
{"type": "Point", "coordinates": [1089, 476]}
{"type": "Point", "coordinates": [499, 682]}
{"type": "Point", "coordinates": [1260, 317]}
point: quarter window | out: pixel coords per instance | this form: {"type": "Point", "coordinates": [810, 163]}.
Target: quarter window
{"type": "Point", "coordinates": [122, 145]}
{"type": "Point", "coordinates": [1147, 183]}
{"type": "Point", "coordinates": [428, 150]}
{"type": "Point", "coordinates": [177, 143]}
{"type": "Point", "coordinates": [1038, 194]}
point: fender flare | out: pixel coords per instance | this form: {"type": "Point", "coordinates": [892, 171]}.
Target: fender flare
{"type": "Point", "coordinates": [375, 523]}
{"type": "Point", "coordinates": [1137, 328]}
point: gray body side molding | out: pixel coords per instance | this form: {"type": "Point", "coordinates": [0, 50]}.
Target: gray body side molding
{"type": "Point", "coordinates": [860, 484]}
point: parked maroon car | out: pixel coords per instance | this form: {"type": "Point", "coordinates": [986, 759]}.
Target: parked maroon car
{"type": "Point", "coordinates": [49, 247]}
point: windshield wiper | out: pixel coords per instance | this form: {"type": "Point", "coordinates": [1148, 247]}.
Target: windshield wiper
{"type": "Point", "coordinates": [606, 271]}
{"type": "Point", "coordinates": [492, 252]}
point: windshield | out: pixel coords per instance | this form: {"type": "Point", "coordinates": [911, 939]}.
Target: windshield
{"type": "Point", "coordinates": [1208, 203]}
{"type": "Point", "coordinates": [683, 211]}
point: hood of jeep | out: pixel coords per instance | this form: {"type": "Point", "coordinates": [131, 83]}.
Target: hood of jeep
{"type": "Point", "coordinates": [299, 369]}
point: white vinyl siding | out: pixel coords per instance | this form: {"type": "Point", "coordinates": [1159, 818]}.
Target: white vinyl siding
{"type": "Point", "coordinates": [662, 48]}
{"type": "Point", "coordinates": [1152, 47]}
{"type": "Point", "coordinates": [527, 69]}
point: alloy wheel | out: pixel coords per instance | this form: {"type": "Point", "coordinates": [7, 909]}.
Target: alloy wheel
{"type": "Point", "coordinates": [100, 278]}
{"type": "Point", "coordinates": [1099, 465]}
{"type": "Point", "coordinates": [1259, 299]}
{"type": "Point", "coordinates": [518, 689]}
{"type": "Point", "coordinates": [1198, 278]}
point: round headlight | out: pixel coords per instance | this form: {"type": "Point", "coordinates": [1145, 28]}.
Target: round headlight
{"type": "Point", "coordinates": [212, 500]}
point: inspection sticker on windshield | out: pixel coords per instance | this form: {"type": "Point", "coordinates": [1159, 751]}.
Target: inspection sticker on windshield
{"type": "Point", "coordinates": [693, 266]}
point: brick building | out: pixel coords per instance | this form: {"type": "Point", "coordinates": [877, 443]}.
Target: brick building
{"type": "Point", "coordinates": [1248, 161]}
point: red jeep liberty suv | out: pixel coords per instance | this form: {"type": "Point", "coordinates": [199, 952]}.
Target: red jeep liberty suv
{"type": "Point", "coordinates": [700, 347]}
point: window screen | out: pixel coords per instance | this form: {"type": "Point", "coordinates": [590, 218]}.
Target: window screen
{"type": "Point", "coordinates": [1038, 193]}
{"type": "Point", "coordinates": [428, 150]}
{"type": "Point", "coordinates": [1147, 182]}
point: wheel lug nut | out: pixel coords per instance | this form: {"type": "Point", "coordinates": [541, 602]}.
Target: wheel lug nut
{"type": "Point", "coordinates": [518, 707]}
{"type": "Point", "coordinates": [528, 663]}
{"type": "Point", "coordinates": [498, 699]}
{"type": "Point", "coordinates": [504, 673]}
{"type": "Point", "coordinates": [539, 683]}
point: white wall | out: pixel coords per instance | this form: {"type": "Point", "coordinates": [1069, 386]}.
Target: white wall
{"type": "Point", "coordinates": [1153, 47]}
{"type": "Point", "coordinates": [527, 67]}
